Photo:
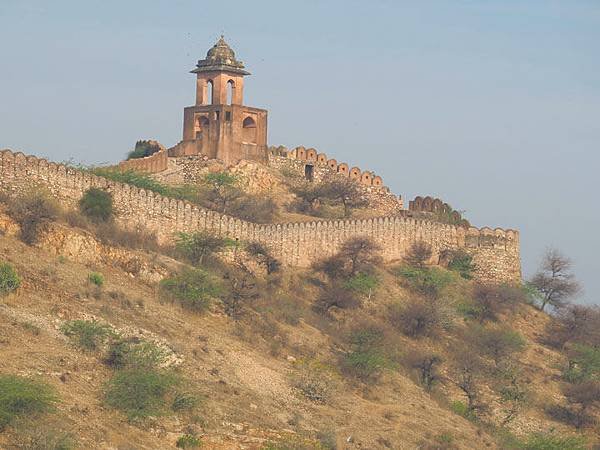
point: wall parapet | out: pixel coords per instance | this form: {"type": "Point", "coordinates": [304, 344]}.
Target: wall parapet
{"type": "Point", "coordinates": [157, 162]}
{"type": "Point", "coordinates": [495, 251]}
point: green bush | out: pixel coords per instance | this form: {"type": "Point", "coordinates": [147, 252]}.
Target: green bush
{"type": "Point", "coordinates": [426, 281]}
{"type": "Point", "coordinates": [462, 263]}
{"type": "Point", "coordinates": [33, 211]}
{"type": "Point", "coordinates": [143, 149]}
{"type": "Point", "coordinates": [184, 401]}
{"type": "Point", "coordinates": [550, 441]}
{"type": "Point", "coordinates": [188, 441]}
{"type": "Point", "coordinates": [97, 205]}
{"type": "Point", "coordinates": [193, 289]}
{"type": "Point", "coordinates": [362, 283]}
{"type": "Point", "coordinates": [96, 278]}
{"type": "Point", "coordinates": [366, 359]}
{"type": "Point", "coordinates": [134, 353]}
{"type": "Point", "coordinates": [462, 409]}
{"type": "Point", "coordinates": [22, 398]}
{"type": "Point", "coordinates": [140, 392]}
{"type": "Point", "coordinates": [197, 246]}
{"type": "Point", "coordinates": [87, 334]}
{"type": "Point", "coordinates": [9, 280]}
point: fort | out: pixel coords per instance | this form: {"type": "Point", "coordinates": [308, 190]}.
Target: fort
{"type": "Point", "coordinates": [220, 127]}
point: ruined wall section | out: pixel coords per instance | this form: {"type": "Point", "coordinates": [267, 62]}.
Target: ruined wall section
{"type": "Point", "coordinates": [157, 162]}
{"type": "Point", "coordinates": [496, 252]}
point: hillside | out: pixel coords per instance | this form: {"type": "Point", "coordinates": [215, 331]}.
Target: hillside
{"type": "Point", "coordinates": [266, 360]}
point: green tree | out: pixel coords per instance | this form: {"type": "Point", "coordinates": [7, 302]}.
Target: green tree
{"type": "Point", "coordinates": [97, 205]}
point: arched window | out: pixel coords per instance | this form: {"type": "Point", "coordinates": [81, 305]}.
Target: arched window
{"type": "Point", "coordinates": [230, 91]}
{"type": "Point", "coordinates": [209, 93]}
{"type": "Point", "coordinates": [202, 124]}
{"type": "Point", "coordinates": [249, 123]}
{"type": "Point", "coordinates": [249, 130]}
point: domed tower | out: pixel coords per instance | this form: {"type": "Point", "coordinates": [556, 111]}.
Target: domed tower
{"type": "Point", "coordinates": [219, 125]}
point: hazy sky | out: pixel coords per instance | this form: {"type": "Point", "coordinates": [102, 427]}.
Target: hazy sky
{"type": "Point", "coordinates": [493, 106]}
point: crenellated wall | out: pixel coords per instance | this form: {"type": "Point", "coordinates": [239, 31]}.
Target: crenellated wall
{"type": "Point", "coordinates": [157, 162]}
{"type": "Point", "coordinates": [495, 252]}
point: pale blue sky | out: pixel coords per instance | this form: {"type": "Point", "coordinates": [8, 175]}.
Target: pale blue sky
{"type": "Point", "coordinates": [492, 105]}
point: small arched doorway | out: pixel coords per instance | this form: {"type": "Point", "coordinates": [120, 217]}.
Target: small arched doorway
{"type": "Point", "coordinates": [249, 130]}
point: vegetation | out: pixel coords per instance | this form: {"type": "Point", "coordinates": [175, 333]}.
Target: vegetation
{"type": "Point", "coordinates": [87, 334]}
{"type": "Point", "coordinates": [193, 289]}
{"type": "Point", "coordinates": [462, 263]}
{"type": "Point", "coordinates": [554, 283]}
{"type": "Point", "coordinates": [23, 398]}
{"type": "Point", "coordinates": [133, 353]}
{"type": "Point", "coordinates": [9, 279]}
{"type": "Point", "coordinates": [199, 245]}
{"type": "Point", "coordinates": [96, 278]}
{"type": "Point", "coordinates": [97, 205]}
{"type": "Point", "coordinates": [365, 359]}
{"type": "Point", "coordinates": [33, 211]}
{"type": "Point", "coordinates": [429, 282]}
{"type": "Point", "coordinates": [263, 256]}
{"type": "Point", "coordinates": [140, 392]}
{"type": "Point", "coordinates": [418, 255]}
{"type": "Point", "coordinates": [188, 441]}
{"type": "Point", "coordinates": [416, 319]}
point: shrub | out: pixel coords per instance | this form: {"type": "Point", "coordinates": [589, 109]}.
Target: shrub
{"type": "Point", "coordinates": [263, 256]}
{"type": "Point", "coordinates": [43, 437]}
{"type": "Point", "coordinates": [96, 278]}
{"type": "Point", "coordinates": [490, 300]}
{"type": "Point", "coordinates": [197, 246]}
{"type": "Point", "coordinates": [498, 344]}
{"type": "Point", "coordinates": [33, 211]}
{"type": "Point", "coordinates": [582, 397]}
{"type": "Point", "coordinates": [583, 363]}
{"type": "Point", "coordinates": [87, 334]}
{"type": "Point", "coordinates": [462, 263]}
{"type": "Point", "coordinates": [426, 281]}
{"type": "Point", "coordinates": [23, 398]}
{"type": "Point", "coordinates": [192, 289]}
{"type": "Point", "coordinates": [551, 441]}
{"type": "Point", "coordinates": [314, 382]}
{"type": "Point", "coordinates": [427, 366]}
{"type": "Point", "coordinates": [241, 288]}
{"type": "Point", "coordinates": [184, 401]}
{"type": "Point", "coordinates": [463, 410]}
{"type": "Point", "coordinates": [575, 323]}
{"type": "Point", "coordinates": [134, 353]}
{"type": "Point", "coordinates": [335, 295]}
{"type": "Point", "coordinates": [416, 319]}
{"type": "Point", "coordinates": [188, 441]}
{"type": "Point", "coordinates": [96, 205]}
{"type": "Point", "coordinates": [254, 209]}
{"type": "Point", "coordinates": [362, 283]}
{"type": "Point", "coordinates": [360, 253]}
{"type": "Point", "coordinates": [418, 255]}
{"type": "Point", "coordinates": [9, 280]}
{"type": "Point", "coordinates": [366, 359]}
{"type": "Point", "coordinates": [139, 392]}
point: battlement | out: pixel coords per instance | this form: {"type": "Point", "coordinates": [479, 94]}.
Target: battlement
{"type": "Point", "coordinates": [495, 251]}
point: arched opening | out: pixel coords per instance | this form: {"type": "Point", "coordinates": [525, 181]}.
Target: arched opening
{"type": "Point", "coordinates": [209, 93]}
{"type": "Point", "coordinates": [249, 130]}
{"type": "Point", "coordinates": [309, 172]}
{"type": "Point", "coordinates": [230, 91]}
{"type": "Point", "coordinates": [202, 124]}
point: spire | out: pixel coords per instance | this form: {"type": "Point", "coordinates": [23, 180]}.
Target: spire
{"type": "Point", "coordinates": [220, 57]}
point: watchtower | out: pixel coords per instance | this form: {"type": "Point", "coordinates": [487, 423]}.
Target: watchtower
{"type": "Point", "coordinates": [219, 125]}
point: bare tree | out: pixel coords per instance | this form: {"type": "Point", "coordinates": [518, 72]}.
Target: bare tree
{"type": "Point", "coordinates": [554, 283]}
{"type": "Point", "coordinates": [582, 397]}
{"type": "Point", "coordinates": [415, 319]}
{"type": "Point", "coordinates": [263, 256]}
{"type": "Point", "coordinates": [361, 253]}
{"type": "Point", "coordinates": [465, 374]}
{"type": "Point", "coordinates": [345, 191]}
{"type": "Point", "coordinates": [427, 367]}
{"type": "Point", "coordinates": [574, 323]}
{"type": "Point", "coordinates": [418, 254]}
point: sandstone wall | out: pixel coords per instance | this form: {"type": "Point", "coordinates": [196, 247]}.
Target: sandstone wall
{"type": "Point", "coordinates": [157, 162]}
{"type": "Point", "coordinates": [496, 252]}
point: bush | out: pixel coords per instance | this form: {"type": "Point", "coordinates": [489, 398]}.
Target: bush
{"type": "Point", "coordinates": [192, 289]}
{"type": "Point", "coordinates": [498, 344]}
{"type": "Point", "coordinates": [9, 280]}
{"type": "Point", "coordinates": [416, 319]}
{"type": "Point", "coordinates": [583, 365]}
{"type": "Point", "coordinates": [335, 295]}
{"type": "Point", "coordinates": [427, 368]}
{"type": "Point", "coordinates": [197, 246]}
{"type": "Point", "coordinates": [362, 283]}
{"type": "Point", "coordinates": [184, 401]}
{"type": "Point", "coordinates": [366, 359]}
{"type": "Point", "coordinates": [551, 441]}
{"type": "Point", "coordinates": [22, 398]}
{"type": "Point", "coordinates": [263, 256]}
{"type": "Point", "coordinates": [87, 334]}
{"type": "Point", "coordinates": [140, 392]}
{"type": "Point", "coordinates": [418, 255]}
{"type": "Point", "coordinates": [188, 441]}
{"type": "Point", "coordinates": [134, 353]}
{"type": "Point", "coordinates": [462, 263]}
{"type": "Point", "coordinates": [314, 382]}
{"type": "Point", "coordinates": [429, 282]}
{"type": "Point", "coordinates": [463, 410]}
{"type": "Point", "coordinates": [33, 211]}
{"type": "Point", "coordinates": [43, 437]}
{"type": "Point", "coordinates": [96, 278]}
{"type": "Point", "coordinates": [96, 205]}
{"type": "Point", "coordinates": [490, 300]}
{"type": "Point", "coordinates": [254, 209]}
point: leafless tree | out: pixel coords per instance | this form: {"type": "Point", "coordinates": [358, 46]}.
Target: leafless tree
{"type": "Point", "coordinates": [415, 319]}
{"type": "Point", "coordinates": [345, 191]}
{"type": "Point", "coordinates": [554, 283]}
{"type": "Point", "coordinates": [361, 253]}
{"type": "Point", "coordinates": [465, 374]}
{"type": "Point", "coordinates": [582, 397]}
{"type": "Point", "coordinates": [263, 256]}
{"type": "Point", "coordinates": [427, 367]}
{"type": "Point", "coordinates": [418, 254]}
{"type": "Point", "coordinates": [574, 323]}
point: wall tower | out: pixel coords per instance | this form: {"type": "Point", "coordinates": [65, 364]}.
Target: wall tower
{"type": "Point", "coordinates": [219, 125]}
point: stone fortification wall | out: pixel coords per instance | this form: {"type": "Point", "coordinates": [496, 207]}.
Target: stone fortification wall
{"type": "Point", "coordinates": [157, 162]}
{"type": "Point", "coordinates": [495, 252]}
